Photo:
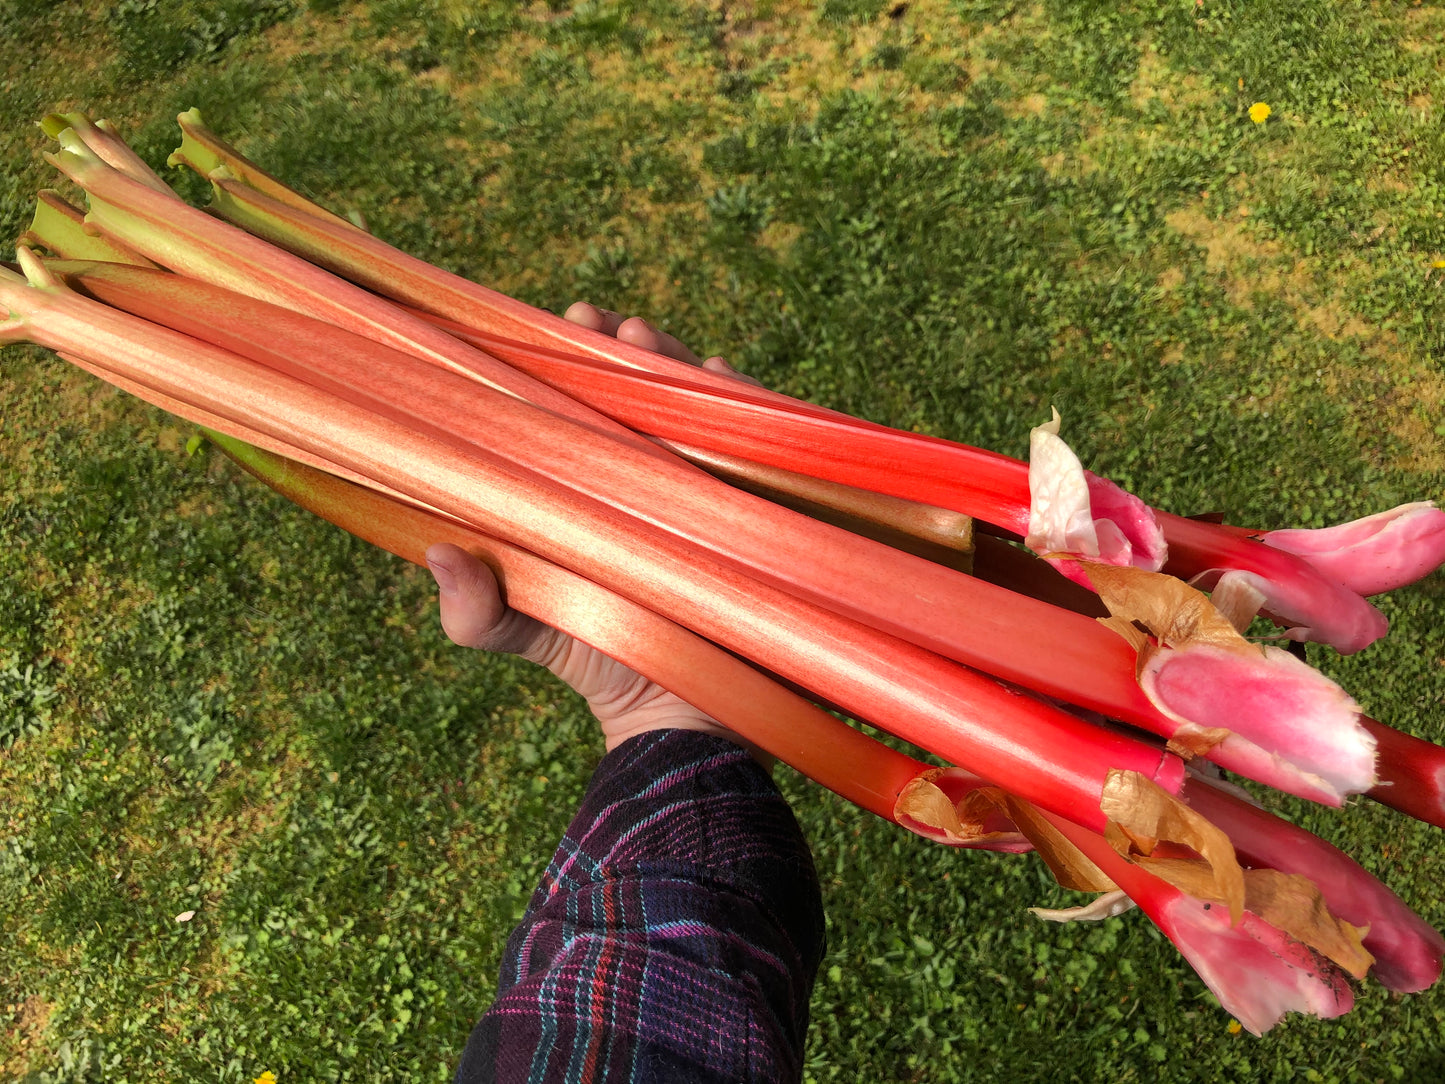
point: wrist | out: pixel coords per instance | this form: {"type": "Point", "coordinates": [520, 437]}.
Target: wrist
{"type": "Point", "coordinates": [618, 731]}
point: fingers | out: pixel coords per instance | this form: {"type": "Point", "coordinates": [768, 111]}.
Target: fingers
{"type": "Point", "coordinates": [472, 611]}
{"type": "Point", "coordinates": [590, 316]}
{"type": "Point", "coordinates": [723, 366]}
{"type": "Point", "coordinates": [639, 332]}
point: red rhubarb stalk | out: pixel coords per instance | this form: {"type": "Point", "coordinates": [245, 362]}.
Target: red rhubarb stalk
{"type": "Point", "coordinates": [1257, 972]}
{"type": "Point", "coordinates": [1041, 647]}
{"type": "Point", "coordinates": [1038, 752]}
{"type": "Point", "coordinates": [1411, 771]}
{"type": "Point", "coordinates": [985, 481]}
{"type": "Point", "coordinates": [1297, 596]}
{"type": "Point", "coordinates": [1312, 604]}
{"type": "Point", "coordinates": [994, 488]}
{"type": "Point", "coordinates": [858, 768]}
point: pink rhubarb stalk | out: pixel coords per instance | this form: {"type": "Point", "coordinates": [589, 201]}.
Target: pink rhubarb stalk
{"type": "Point", "coordinates": [994, 488]}
{"type": "Point", "coordinates": [1407, 950]}
{"type": "Point", "coordinates": [1038, 752]}
{"type": "Point", "coordinates": [1375, 554]}
{"type": "Point", "coordinates": [1041, 647]}
{"type": "Point", "coordinates": [1257, 971]}
{"type": "Point", "coordinates": [1312, 604]}
{"type": "Point", "coordinates": [1297, 596]}
{"type": "Point", "coordinates": [858, 768]}
{"type": "Point", "coordinates": [510, 325]}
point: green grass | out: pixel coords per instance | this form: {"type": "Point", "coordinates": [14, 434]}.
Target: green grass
{"type": "Point", "coordinates": [941, 216]}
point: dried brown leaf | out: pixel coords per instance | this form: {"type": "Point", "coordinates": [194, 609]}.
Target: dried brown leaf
{"type": "Point", "coordinates": [1191, 741]}
{"type": "Point", "coordinates": [1287, 901]}
{"type": "Point", "coordinates": [1069, 865]}
{"type": "Point", "coordinates": [1107, 905]}
{"type": "Point", "coordinates": [1136, 637]}
{"type": "Point", "coordinates": [975, 819]}
{"type": "Point", "coordinates": [1237, 598]}
{"type": "Point", "coordinates": [1293, 903]}
{"type": "Point", "coordinates": [1174, 613]}
{"type": "Point", "coordinates": [1142, 814]}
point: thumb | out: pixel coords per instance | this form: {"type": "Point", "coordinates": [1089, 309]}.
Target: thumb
{"type": "Point", "coordinates": [472, 611]}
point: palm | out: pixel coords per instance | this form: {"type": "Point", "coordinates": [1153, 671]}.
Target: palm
{"type": "Point", "coordinates": [474, 615]}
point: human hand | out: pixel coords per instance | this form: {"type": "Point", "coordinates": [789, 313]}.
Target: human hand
{"type": "Point", "coordinates": [639, 332]}
{"type": "Point", "coordinates": [473, 613]}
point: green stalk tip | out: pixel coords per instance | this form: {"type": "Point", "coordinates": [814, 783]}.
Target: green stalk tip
{"type": "Point", "coordinates": [233, 447]}
{"type": "Point", "coordinates": [52, 124]}
{"type": "Point", "coordinates": [36, 272]}
{"type": "Point", "coordinates": [267, 466]}
{"type": "Point", "coordinates": [193, 152]}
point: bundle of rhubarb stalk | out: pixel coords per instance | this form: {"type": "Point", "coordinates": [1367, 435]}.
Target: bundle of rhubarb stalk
{"type": "Point", "coordinates": [1075, 657]}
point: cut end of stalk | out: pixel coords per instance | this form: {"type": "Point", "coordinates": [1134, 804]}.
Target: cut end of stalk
{"type": "Point", "coordinates": [1291, 727]}
{"type": "Point", "coordinates": [74, 158]}
{"type": "Point", "coordinates": [101, 137]}
{"type": "Point", "coordinates": [36, 273]}
{"type": "Point", "coordinates": [206, 153]}
{"type": "Point", "coordinates": [1257, 711]}
{"type": "Point", "coordinates": [1257, 972]}
{"type": "Point", "coordinates": [59, 227]}
{"type": "Point", "coordinates": [198, 149]}
{"type": "Point", "coordinates": [52, 124]}
{"type": "Point", "coordinates": [1375, 554]}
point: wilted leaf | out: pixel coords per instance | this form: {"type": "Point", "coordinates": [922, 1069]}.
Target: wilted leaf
{"type": "Point", "coordinates": [1143, 814]}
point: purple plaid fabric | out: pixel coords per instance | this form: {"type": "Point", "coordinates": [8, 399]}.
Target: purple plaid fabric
{"type": "Point", "coordinates": [675, 935]}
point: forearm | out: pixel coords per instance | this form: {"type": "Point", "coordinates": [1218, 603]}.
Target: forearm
{"type": "Point", "coordinates": [675, 935]}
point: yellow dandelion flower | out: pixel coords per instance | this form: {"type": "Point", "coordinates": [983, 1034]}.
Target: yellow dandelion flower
{"type": "Point", "coordinates": [267, 1077]}
{"type": "Point", "coordinates": [1437, 263]}
{"type": "Point", "coordinates": [1235, 1027]}
{"type": "Point", "coordinates": [1259, 112]}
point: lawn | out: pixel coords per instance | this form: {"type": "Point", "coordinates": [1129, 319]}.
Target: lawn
{"type": "Point", "coordinates": [943, 216]}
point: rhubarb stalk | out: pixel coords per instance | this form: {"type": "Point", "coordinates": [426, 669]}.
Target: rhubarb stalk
{"type": "Point", "coordinates": [1310, 603]}
{"type": "Point", "coordinates": [1045, 755]}
{"type": "Point", "coordinates": [164, 228]}
{"type": "Point", "coordinates": [1018, 639]}
{"type": "Point", "coordinates": [858, 768]}
{"type": "Point", "coordinates": [514, 330]}
{"type": "Point", "coordinates": [1256, 970]}
{"type": "Point", "coordinates": [1407, 950]}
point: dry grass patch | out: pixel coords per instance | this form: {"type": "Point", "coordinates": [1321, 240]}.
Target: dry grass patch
{"type": "Point", "coordinates": [23, 1031]}
{"type": "Point", "coordinates": [1249, 267]}
{"type": "Point", "coordinates": [1157, 80]}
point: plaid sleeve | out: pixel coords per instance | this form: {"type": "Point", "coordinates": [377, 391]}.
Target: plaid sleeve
{"type": "Point", "coordinates": [675, 935]}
